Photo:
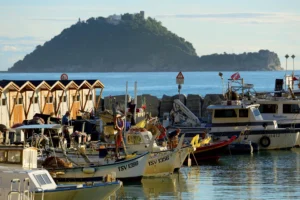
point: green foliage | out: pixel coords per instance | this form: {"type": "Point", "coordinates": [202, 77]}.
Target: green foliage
{"type": "Point", "coordinates": [101, 44]}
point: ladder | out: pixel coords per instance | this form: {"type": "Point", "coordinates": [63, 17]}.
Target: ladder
{"type": "Point", "coordinates": [27, 194]}
{"type": "Point", "coordinates": [15, 187]}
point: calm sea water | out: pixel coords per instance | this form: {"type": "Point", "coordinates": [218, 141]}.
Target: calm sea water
{"type": "Point", "coordinates": [265, 175]}
{"type": "Point", "coordinates": [160, 83]}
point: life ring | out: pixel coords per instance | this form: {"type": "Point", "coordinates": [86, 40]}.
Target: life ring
{"type": "Point", "coordinates": [195, 141]}
{"type": "Point", "coordinates": [265, 141]}
{"type": "Point", "coordinates": [117, 127]}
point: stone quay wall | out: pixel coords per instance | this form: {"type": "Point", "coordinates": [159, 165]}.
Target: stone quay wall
{"type": "Point", "coordinates": [156, 106]}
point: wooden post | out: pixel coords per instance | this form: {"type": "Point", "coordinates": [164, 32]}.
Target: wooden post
{"type": "Point", "coordinates": [73, 101]}
{"type": "Point", "coordinates": [30, 103]}
{"type": "Point", "coordinates": [46, 101]}
{"type": "Point", "coordinates": [86, 99]}
{"type": "Point", "coordinates": [98, 100]}
{"type": "Point", "coordinates": [60, 100]}
{"type": "Point", "coordinates": [13, 108]}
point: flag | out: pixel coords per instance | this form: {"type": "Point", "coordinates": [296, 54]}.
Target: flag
{"type": "Point", "coordinates": [235, 76]}
{"type": "Point", "coordinates": [295, 78]}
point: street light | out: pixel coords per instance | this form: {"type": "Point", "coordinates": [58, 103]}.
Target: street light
{"type": "Point", "coordinates": [293, 56]}
{"type": "Point", "coordinates": [286, 57]}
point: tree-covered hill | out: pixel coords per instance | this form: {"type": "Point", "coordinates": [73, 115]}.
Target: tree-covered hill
{"type": "Point", "coordinates": [128, 43]}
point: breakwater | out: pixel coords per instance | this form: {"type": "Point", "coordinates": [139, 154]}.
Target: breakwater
{"type": "Point", "coordinates": [158, 106]}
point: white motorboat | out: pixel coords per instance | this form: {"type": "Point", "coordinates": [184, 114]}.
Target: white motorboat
{"type": "Point", "coordinates": [235, 118]}
{"type": "Point", "coordinates": [20, 179]}
{"type": "Point", "coordinates": [39, 185]}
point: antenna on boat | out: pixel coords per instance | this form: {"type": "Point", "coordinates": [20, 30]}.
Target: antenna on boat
{"type": "Point", "coordinates": [125, 106]}
{"type": "Point", "coordinates": [135, 99]}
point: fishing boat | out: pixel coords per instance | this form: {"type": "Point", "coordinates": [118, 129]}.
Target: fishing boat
{"type": "Point", "coordinates": [131, 167]}
{"type": "Point", "coordinates": [210, 151]}
{"type": "Point", "coordinates": [20, 178]}
{"type": "Point", "coordinates": [127, 169]}
{"type": "Point", "coordinates": [165, 158]}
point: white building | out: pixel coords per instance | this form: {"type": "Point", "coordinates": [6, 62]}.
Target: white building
{"type": "Point", "coordinates": [21, 100]}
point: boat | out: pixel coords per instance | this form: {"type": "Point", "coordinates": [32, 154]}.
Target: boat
{"type": "Point", "coordinates": [125, 170]}
{"type": "Point", "coordinates": [210, 151]}
{"type": "Point", "coordinates": [281, 104]}
{"type": "Point", "coordinates": [131, 167]}
{"type": "Point", "coordinates": [233, 117]}
{"type": "Point", "coordinates": [20, 178]}
{"type": "Point", "coordinates": [39, 185]}
{"type": "Point", "coordinates": [164, 159]}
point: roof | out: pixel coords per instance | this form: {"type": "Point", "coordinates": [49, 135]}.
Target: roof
{"type": "Point", "coordinates": [224, 107]}
{"type": "Point", "coordinates": [32, 85]}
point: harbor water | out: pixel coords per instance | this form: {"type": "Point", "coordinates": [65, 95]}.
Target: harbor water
{"type": "Point", "coordinates": [262, 175]}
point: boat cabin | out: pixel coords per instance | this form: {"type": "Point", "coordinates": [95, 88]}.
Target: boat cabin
{"type": "Point", "coordinates": [234, 115]}
{"type": "Point", "coordinates": [284, 111]}
{"type": "Point", "coordinates": [138, 140]}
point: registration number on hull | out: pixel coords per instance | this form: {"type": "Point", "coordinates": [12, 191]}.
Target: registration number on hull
{"type": "Point", "coordinates": [128, 166]}
{"type": "Point", "coordinates": [160, 160]}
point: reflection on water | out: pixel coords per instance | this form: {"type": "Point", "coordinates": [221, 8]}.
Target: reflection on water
{"type": "Point", "coordinates": [265, 175]}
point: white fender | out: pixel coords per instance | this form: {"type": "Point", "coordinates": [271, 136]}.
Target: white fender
{"type": "Point", "coordinates": [88, 170]}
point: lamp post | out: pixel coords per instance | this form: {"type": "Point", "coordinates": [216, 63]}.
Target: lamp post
{"type": "Point", "coordinates": [286, 57]}
{"type": "Point", "coordinates": [293, 56]}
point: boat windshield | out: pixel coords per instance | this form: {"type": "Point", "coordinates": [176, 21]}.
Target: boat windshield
{"type": "Point", "coordinates": [257, 114]}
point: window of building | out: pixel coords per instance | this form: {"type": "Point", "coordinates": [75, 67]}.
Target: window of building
{"type": "Point", "coordinates": [50, 100]}
{"type": "Point", "coordinates": [64, 98]}
{"type": "Point", "coordinates": [36, 99]}
{"type": "Point", "coordinates": [228, 113]}
{"type": "Point", "coordinates": [268, 108]}
{"type": "Point", "coordinates": [290, 108]}
{"type": "Point", "coordinates": [20, 101]}
{"type": "Point", "coordinates": [78, 98]}
{"type": "Point", "coordinates": [243, 113]}
{"type": "Point", "coordinates": [89, 97]}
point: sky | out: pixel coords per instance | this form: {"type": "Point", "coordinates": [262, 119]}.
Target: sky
{"type": "Point", "coordinates": [212, 26]}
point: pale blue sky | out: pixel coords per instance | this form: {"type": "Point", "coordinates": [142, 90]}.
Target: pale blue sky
{"type": "Point", "coordinates": [212, 26]}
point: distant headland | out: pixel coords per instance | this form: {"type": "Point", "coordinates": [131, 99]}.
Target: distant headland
{"type": "Point", "coordinates": [131, 42]}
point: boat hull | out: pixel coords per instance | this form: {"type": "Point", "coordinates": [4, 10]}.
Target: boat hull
{"type": "Point", "coordinates": [212, 151]}
{"type": "Point", "coordinates": [266, 139]}
{"type": "Point", "coordinates": [161, 163]}
{"type": "Point", "coordinates": [127, 169]}
{"type": "Point", "coordinates": [92, 192]}
{"type": "Point", "coordinates": [182, 156]}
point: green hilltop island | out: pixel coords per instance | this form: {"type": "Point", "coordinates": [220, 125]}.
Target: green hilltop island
{"type": "Point", "coordinates": [131, 42]}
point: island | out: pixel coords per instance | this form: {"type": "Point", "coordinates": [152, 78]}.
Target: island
{"type": "Point", "coordinates": [132, 43]}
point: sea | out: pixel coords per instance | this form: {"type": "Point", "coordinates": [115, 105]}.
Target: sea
{"type": "Point", "coordinates": [163, 83]}
{"type": "Point", "coordinates": [263, 175]}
